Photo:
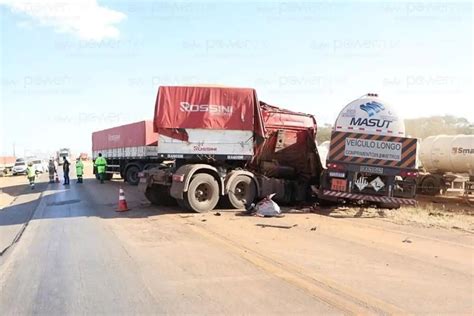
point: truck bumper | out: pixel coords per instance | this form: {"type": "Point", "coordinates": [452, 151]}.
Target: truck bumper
{"type": "Point", "coordinates": [334, 195]}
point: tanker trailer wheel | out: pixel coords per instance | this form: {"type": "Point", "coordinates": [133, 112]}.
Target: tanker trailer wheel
{"type": "Point", "coordinates": [203, 193]}
{"type": "Point", "coordinates": [131, 175]}
{"type": "Point", "coordinates": [430, 185]}
{"type": "Point", "coordinates": [242, 191]}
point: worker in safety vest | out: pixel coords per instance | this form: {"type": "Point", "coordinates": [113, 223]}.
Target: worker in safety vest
{"type": "Point", "coordinates": [79, 170]}
{"type": "Point", "coordinates": [31, 174]}
{"type": "Point", "coordinates": [101, 165]}
{"type": "Point", "coordinates": [51, 170]}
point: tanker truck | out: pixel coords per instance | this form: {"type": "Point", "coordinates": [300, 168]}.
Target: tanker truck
{"type": "Point", "coordinates": [447, 164]}
{"type": "Point", "coordinates": [224, 144]}
{"type": "Point", "coordinates": [370, 160]}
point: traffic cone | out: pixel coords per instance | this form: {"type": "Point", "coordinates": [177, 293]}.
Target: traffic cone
{"type": "Point", "coordinates": [122, 205]}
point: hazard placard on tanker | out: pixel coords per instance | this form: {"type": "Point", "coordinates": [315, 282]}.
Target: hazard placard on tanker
{"type": "Point", "coordinates": [366, 149]}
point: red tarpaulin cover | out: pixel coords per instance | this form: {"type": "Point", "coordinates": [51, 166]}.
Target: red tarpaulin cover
{"type": "Point", "coordinates": [130, 135]}
{"type": "Point", "coordinates": [206, 107]}
{"type": "Point", "coordinates": [274, 117]}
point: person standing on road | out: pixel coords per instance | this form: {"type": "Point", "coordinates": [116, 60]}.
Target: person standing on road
{"type": "Point", "coordinates": [79, 170]}
{"type": "Point", "coordinates": [66, 165]}
{"type": "Point", "coordinates": [51, 170]}
{"type": "Point", "coordinates": [31, 174]}
{"type": "Point", "coordinates": [101, 165]}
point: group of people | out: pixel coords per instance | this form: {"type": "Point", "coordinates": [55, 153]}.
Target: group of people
{"type": "Point", "coordinates": [100, 163]}
{"type": "Point", "coordinates": [66, 166]}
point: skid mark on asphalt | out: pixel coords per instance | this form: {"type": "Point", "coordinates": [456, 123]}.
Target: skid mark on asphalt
{"type": "Point", "coordinates": [345, 299]}
{"type": "Point", "coordinates": [59, 203]}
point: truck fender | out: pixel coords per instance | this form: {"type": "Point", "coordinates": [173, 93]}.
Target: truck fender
{"type": "Point", "coordinates": [187, 171]}
{"type": "Point", "coordinates": [234, 173]}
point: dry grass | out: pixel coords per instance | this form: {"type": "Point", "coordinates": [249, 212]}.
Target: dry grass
{"type": "Point", "coordinates": [429, 216]}
{"type": "Point", "coordinates": [425, 215]}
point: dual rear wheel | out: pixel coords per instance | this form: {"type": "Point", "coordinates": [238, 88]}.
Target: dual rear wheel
{"type": "Point", "coordinates": [203, 193]}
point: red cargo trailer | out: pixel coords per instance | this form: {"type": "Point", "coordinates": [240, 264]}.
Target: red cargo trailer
{"type": "Point", "coordinates": [226, 144]}
{"type": "Point", "coordinates": [128, 149]}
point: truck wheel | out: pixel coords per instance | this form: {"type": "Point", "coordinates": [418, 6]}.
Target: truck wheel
{"type": "Point", "coordinates": [430, 185]}
{"type": "Point", "coordinates": [183, 204]}
{"type": "Point", "coordinates": [151, 196]}
{"type": "Point", "coordinates": [132, 175]}
{"type": "Point", "coordinates": [242, 191]}
{"type": "Point", "coordinates": [203, 193]}
{"type": "Point", "coordinates": [159, 195]}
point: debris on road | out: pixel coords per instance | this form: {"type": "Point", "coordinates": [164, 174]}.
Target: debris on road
{"type": "Point", "coordinates": [407, 240]}
{"type": "Point", "coordinates": [276, 226]}
{"type": "Point", "coordinates": [217, 214]}
{"type": "Point", "coordinates": [267, 207]}
{"type": "Point", "coordinates": [314, 228]}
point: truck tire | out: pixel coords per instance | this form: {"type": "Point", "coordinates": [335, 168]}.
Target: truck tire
{"type": "Point", "coordinates": [430, 185]}
{"type": "Point", "coordinates": [184, 205]}
{"type": "Point", "coordinates": [242, 192]}
{"type": "Point", "coordinates": [203, 193]}
{"type": "Point", "coordinates": [159, 195]}
{"type": "Point", "coordinates": [151, 196]}
{"type": "Point", "coordinates": [131, 176]}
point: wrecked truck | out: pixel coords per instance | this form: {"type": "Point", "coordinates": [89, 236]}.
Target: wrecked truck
{"type": "Point", "coordinates": [223, 144]}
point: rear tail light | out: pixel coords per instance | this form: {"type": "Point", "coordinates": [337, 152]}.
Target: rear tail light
{"type": "Point", "coordinates": [409, 174]}
{"type": "Point", "coordinates": [178, 177]}
{"type": "Point", "coordinates": [335, 166]}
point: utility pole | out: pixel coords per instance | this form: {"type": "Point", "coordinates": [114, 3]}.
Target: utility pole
{"type": "Point", "coordinates": [14, 152]}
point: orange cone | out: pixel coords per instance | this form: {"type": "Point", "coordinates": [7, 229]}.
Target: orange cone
{"type": "Point", "coordinates": [122, 205]}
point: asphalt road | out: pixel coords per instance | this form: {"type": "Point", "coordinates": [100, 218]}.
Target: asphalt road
{"type": "Point", "coordinates": [70, 261]}
{"type": "Point", "coordinates": [78, 256]}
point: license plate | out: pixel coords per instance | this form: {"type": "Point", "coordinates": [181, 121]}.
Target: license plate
{"type": "Point", "coordinates": [369, 169]}
{"type": "Point", "coordinates": [337, 174]}
{"type": "Point", "coordinates": [338, 184]}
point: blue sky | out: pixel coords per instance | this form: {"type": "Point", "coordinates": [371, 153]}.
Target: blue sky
{"type": "Point", "coordinates": [67, 71]}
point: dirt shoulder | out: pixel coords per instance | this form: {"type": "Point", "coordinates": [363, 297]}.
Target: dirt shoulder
{"type": "Point", "coordinates": [398, 261]}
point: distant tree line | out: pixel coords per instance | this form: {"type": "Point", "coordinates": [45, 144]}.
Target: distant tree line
{"type": "Point", "coordinates": [438, 125]}
{"type": "Point", "coordinates": [420, 127]}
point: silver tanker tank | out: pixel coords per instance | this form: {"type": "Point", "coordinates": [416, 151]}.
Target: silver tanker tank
{"type": "Point", "coordinates": [448, 153]}
{"type": "Point", "coordinates": [449, 164]}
